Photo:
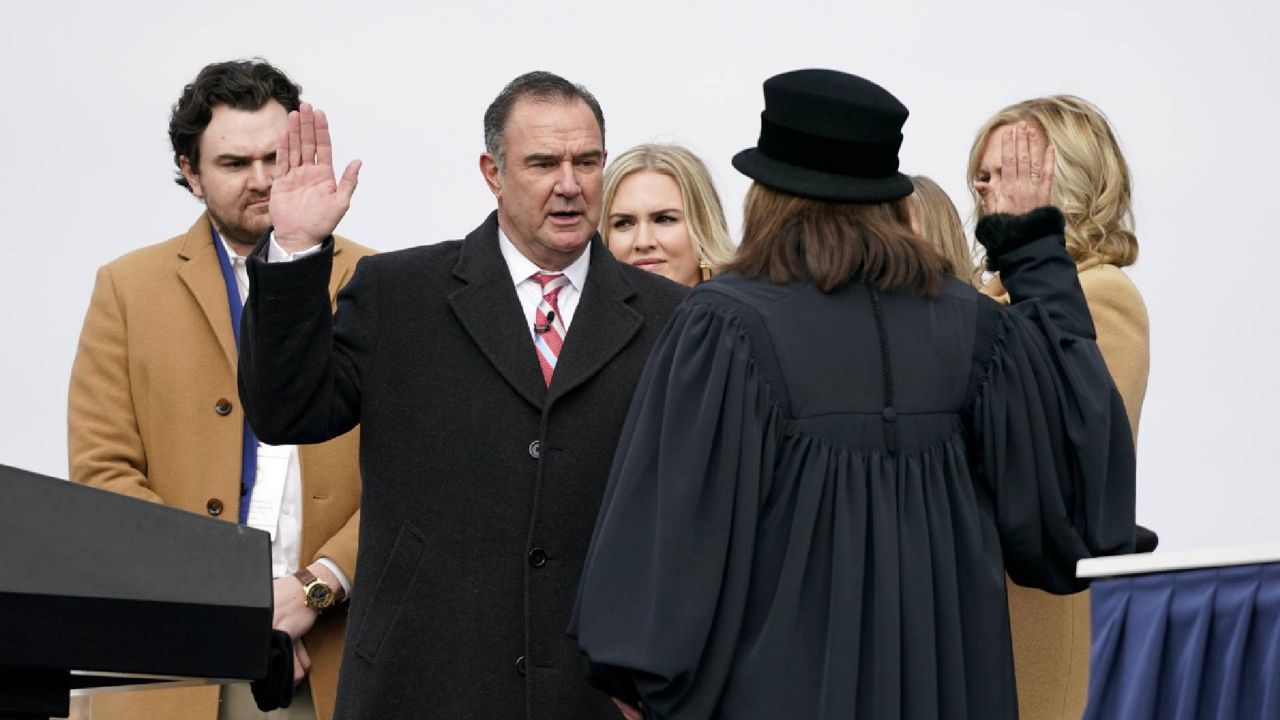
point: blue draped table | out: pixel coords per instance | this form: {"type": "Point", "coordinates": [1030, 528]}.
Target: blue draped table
{"type": "Point", "coordinates": [1185, 636]}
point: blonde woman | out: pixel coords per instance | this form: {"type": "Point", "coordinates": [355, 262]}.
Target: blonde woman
{"type": "Point", "coordinates": [1092, 187]}
{"type": "Point", "coordinates": [934, 218]}
{"type": "Point", "coordinates": [662, 214]}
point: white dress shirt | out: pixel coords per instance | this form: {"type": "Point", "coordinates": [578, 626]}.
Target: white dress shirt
{"type": "Point", "coordinates": [286, 545]}
{"type": "Point", "coordinates": [529, 291]}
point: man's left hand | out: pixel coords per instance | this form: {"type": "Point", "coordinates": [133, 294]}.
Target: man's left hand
{"type": "Point", "coordinates": [291, 612]}
{"type": "Point", "coordinates": [301, 662]}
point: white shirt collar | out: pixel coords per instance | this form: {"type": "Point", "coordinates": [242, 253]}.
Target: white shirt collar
{"type": "Point", "coordinates": [522, 268]}
{"type": "Point", "coordinates": [232, 255]}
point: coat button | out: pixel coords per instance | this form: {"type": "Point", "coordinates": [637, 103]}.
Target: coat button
{"type": "Point", "coordinates": [537, 557]}
{"type": "Point", "coordinates": [535, 449]}
{"type": "Point", "coordinates": [222, 407]}
{"type": "Point", "coordinates": [520, 665]}
{"type": "Point", "coordinates": [214, 506]}
{"type": "Point", "coordinates": [889, 414]}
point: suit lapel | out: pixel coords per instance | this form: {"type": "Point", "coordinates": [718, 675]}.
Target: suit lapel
{"type": "Point", "coordinates": [203, 278]}
{"type": "Point", "coordinates": [602, 325]}
{"type": "Point", "coordinates": [490, 313]}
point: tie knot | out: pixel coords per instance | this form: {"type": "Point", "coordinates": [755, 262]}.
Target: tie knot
{"type": "Point", "coordinates": [545, 279]}
{"type": "Point", "coordinates": [551, 282]}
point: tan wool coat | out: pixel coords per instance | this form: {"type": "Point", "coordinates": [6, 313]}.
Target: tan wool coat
{"type": "Point", "coordinates": [153, 412]}
{"type": "Point", "coordinates": [1051, 632]}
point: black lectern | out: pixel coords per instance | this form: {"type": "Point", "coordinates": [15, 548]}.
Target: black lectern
{"type": "Point", "coordinates": [101, 590]}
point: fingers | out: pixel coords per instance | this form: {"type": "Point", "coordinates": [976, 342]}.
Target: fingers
{"type": "Point", "coordinates": [307, 121]}
{"type": "Point", "coordinates": [1023, 151]}
{"type": "Point", "coordinates": [300, 649]}
{"type": "Point", "coordinates": [1045, 195]}
{"type": "Point", "coordinates": [301, 661]}
{"type": "Point", "coordinates": [324, 144]}
{"type": "Point", "coordinates": [1008, 156]}
{"type": "Point", "coordinates": [350, 178]}
{"type": "Point", "coordinates": [295, 140]}
{"type": "Point", "coordinates": [282, 153]}
{"type": "Point", "coordinates": [1035, 144]}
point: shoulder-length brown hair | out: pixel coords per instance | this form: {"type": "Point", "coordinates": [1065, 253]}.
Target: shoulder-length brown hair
{"type": "Point", "coordinates": [786, 238]}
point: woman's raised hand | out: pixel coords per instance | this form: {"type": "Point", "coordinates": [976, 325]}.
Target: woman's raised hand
{"type": "Point", "coordinates": [1026, 171]}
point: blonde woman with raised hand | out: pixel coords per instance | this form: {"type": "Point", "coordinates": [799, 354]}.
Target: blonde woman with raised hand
{"type": "Point", "coordinates": [662, 214]}
{"type": "Point", "coordinates": [935, 219]}
{"type": "Point", "coordinates": [1092, 188]}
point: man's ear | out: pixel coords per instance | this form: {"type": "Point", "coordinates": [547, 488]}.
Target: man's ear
{"type": "Point", "coordinates": [492, 175]}
{"type": "Point", "coordinates": [193, 178]}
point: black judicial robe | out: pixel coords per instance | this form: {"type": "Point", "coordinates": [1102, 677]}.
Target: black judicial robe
{"type": "Point", "coordinates": [816, 496]}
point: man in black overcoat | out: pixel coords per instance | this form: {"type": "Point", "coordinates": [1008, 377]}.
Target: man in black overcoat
{"type": "Point", "coordinates": [491, 377]}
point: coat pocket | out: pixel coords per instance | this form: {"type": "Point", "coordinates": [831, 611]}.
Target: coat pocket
{"type": "Point", "coordinates": [388, 595]}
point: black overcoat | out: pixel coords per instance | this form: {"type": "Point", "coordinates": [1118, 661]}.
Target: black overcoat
{"type": "Point", "coordinates": [481, 485]}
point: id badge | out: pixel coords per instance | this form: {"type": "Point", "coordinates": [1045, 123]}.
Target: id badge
{"type": "Point", "coordinates": [268, 487]}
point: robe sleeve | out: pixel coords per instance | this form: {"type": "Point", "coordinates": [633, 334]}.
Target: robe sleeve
{"type": "Point", "coordinates": [1053, 441]}
{"type": "Point", "coordinates": [664, 583]}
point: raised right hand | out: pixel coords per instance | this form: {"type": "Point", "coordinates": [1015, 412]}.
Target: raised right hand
{"type": "Point", "coordinates": [306, 202]}
{"type": "Point", "coordinates": [1026, 171]}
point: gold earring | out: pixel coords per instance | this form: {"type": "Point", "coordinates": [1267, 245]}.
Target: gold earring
{"type": "Point", "coordinates": [705, 269]}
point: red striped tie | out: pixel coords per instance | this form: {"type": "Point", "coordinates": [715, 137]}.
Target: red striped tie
{"type": "Point", "coordinates": [548, 326]}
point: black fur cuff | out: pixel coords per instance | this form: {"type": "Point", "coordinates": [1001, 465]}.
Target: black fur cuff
{"type": "Point", "coordinates": [1003, 233]}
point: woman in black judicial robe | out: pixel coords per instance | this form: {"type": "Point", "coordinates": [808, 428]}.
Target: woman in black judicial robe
{"type": "Point", "coordinates": [836, 451]}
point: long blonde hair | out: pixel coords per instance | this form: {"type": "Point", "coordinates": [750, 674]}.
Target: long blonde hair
{"type": "Point", "coordinates": [940, 225]}
{"type": "Point", "coordinates": [1092, 186]}
{"type": "Point", "coordinates": [708, 231]}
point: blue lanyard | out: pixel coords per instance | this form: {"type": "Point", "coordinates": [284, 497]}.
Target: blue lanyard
{"type": "Point", "coordinates": [249, 447]}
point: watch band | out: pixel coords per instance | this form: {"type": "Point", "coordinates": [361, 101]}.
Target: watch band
{"type": "Point", "coordinates": [306, 577]}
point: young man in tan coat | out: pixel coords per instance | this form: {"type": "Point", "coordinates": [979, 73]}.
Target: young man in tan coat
{"type": "Point", "coordinates": [153, 409]}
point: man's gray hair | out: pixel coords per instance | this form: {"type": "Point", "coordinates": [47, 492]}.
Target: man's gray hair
{"type": "Point", "coordinates": [538, 85]}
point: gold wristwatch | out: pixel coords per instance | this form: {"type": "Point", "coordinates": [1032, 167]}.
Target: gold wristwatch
{"type": "Point", "coordinates": [317, 593]}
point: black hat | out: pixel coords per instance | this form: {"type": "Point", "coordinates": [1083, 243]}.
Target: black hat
{"type": "Point", "coordinates": [828, 135]}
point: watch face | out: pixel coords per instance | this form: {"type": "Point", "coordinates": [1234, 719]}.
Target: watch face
{"type": "Point", "coordinates": [319, 596]}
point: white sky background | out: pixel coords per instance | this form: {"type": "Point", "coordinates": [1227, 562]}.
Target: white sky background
{"type": "Point", "coordinates": [86, 88]}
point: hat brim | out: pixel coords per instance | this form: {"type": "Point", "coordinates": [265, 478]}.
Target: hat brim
{"type": "Point", "coordinates": [801, 181]}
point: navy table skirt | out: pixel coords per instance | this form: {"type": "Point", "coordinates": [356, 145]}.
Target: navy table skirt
{"type": "Point", "coordinates": [1194, 644]}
